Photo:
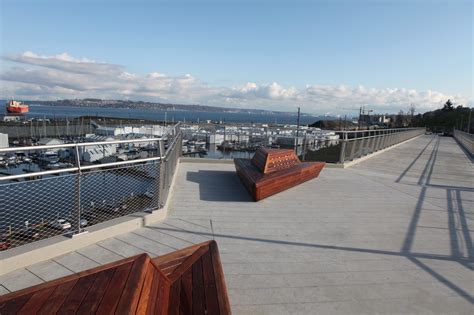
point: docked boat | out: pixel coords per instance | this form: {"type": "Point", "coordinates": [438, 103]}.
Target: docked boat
{"type": "Point", "coordinates": [14, 107]}
{"type": "Point", "coordinates": [48, 157]}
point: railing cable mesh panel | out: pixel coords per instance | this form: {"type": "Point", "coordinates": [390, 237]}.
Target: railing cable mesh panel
{"type": "Point", "coordinates": [43, 205]}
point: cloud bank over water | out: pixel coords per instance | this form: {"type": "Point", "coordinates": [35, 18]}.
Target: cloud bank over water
{"type": "Point", "coordinates": [61, 76]}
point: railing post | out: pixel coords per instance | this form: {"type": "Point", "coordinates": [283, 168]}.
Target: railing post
{"type": "Point", "coordinates": [78, 190]}
{"type": "Point", "coordinates": [161, 177]}
{"type": "Point", "coordinates": [342, 154]}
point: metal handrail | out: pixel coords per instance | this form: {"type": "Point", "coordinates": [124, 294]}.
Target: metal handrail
{"type": "Point", "coordinates": [374, 145]}
{"type": "Point", "coordinates": [465, 139]}
{"type": "Point", "coordinates": [73, 145]}
{"type": "Point", "coordinates": [379, 130]}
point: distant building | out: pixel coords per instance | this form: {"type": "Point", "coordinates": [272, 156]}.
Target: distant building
{"type": "Point", "coordinates": [151, 130]}
{"type": "Point", "coordinates": [3, 140]}
{"type": "Point", "coordinates": [215, 138]}
{"type": "Point", "coordinates": [97, 152]}
{"type": "Point", "coordinates": [50, 141]}
{"type": "Point", "coordinates": [7, 118]}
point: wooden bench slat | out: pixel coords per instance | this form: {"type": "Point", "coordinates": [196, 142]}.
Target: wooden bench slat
{"type": "Point", "coordinates": [110, 299]}
{"type": "Point", "coordinates": [154, 296]}
{"type": "Point", "coordinates": [175, 298]}
{"type": "Point", "coordinates": [35, 302]}
{"type": "Point", "coordinates": [12, 306]}
{"type": "Point", "coordinates": [210, 290]}
{"type": "Point", "coordinates": [224, 303]}
{"type": "Point", "coordinates": [77, 294]}
{"type": "Point", "coordinates": [146, 290]}
{"type": "Point", "coordinates": [187, 292]}
{"type": "Point", "coordinates": [131, 292]}
{"type": "Point", "coordinates": [94, 296]}
{"type": "Point", "coordinates": [198, 288]}
{"type": "Point", "coordinates": [56, 299]}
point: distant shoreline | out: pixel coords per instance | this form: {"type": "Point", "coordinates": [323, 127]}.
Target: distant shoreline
{"type": "Point", "coordinates": [38, 110]}
{"type": "Point", "coordinates": [121, 104]}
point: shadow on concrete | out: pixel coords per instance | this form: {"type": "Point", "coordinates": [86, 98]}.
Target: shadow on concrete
{"type": "Point", "coordinates": [219, 186]}
{"type": "Point", "coordinates": [455, 241]}
{"type": "Point", "coordinates": [413, 162]}
{"type": "Point", "coordinates": [412, 256]}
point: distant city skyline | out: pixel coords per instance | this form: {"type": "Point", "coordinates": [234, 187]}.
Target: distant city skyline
{"type": "Point", "coordinates": [325, 57]}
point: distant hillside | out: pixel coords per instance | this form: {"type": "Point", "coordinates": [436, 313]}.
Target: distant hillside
{"type": "Point", "coordinates": [92, 102]}
{"type": "Point", "coordinates": [333, 124]}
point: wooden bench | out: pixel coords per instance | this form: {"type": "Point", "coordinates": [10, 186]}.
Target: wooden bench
{"type": "Point", "coordinates": [271, 171]}
{"type": "Point", "coordinates": [187, 281]}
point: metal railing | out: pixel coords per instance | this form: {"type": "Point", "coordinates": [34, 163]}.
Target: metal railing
{"type": "Point", "coordinates": [353, 145]}
{"type": "Point", "coordinates": [38, 203]}
{"type": "Point", "coordinates": [356, 144]}
{"type": "Point", "coordinates": [466, 140]}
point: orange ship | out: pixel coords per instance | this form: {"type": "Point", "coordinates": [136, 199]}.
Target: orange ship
{"type": "Point", "coordinates": [15, 107]}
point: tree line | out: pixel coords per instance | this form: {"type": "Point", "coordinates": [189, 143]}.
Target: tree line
{"type": "Point", "coordinates": [445, 119]}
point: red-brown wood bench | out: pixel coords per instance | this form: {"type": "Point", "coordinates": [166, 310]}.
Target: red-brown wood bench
{"type": "Point", "coordinates": [271, 171]}
{"type": "Point", "coordinates": [187, 281]}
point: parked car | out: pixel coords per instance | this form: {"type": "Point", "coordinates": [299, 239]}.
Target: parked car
{"type": "Point", "coordinates": [27, 234]}
{"type": "Point", "coordinates": [60, 224]}
{"type": "Point", "coordinates": [4, 244]}
{"type": "Point", "coordinates": [84, 222]}
{"type": "Point", "coordinates": [149, 194]}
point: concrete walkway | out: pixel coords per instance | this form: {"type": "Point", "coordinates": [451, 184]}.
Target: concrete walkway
{"type": "Point", "coordinates": [393, 234]}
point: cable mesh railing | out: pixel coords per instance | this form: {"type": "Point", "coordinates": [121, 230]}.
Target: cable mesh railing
{"type": "Point", "coordinates": [466, 140]}
{"type": "Point", "coordinates": [353, 145]}
{"type": "Point", "coordinates": [69, 194]}
{"type": "Point", "coordinates": [358, 144]}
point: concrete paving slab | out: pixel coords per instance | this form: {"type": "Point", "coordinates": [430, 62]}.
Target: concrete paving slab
{"type": "Point", "coordinates": [3, 290]}
{"type": "Point", "coordinates": [99, 254]}
{"type": "Point", "coordinates": [75, 262]}
{"type": "Point", "coordinates": [19, 279]}
{"type": "Point", "coordinates": [49, 270]}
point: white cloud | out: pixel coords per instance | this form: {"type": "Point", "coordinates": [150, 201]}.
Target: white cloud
{"type": "Point", "coordinates": [63, 76]}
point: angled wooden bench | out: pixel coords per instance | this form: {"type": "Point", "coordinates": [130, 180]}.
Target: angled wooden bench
{"type": "Point", "coordinates": [271, 171]}
{"type": "Point", "coordinates": [188, 281]}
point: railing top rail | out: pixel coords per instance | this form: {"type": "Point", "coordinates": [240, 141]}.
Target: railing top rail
{"type": "Point", "coordinates": [374, 130]}
{"type": "Point", "coordinates": [464, 132]}
{"type": "Point", "coordinates": [77, 168]}
{"type": "Point", "coordinates": [94, 166]}
{"type": "Point", "coordinates": [76, 144]}
{"type": "Point", "coordinates": [82, 144]}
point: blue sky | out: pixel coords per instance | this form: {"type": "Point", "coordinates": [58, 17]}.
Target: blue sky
{"type": "Point", "coordinates": [322, 55]}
